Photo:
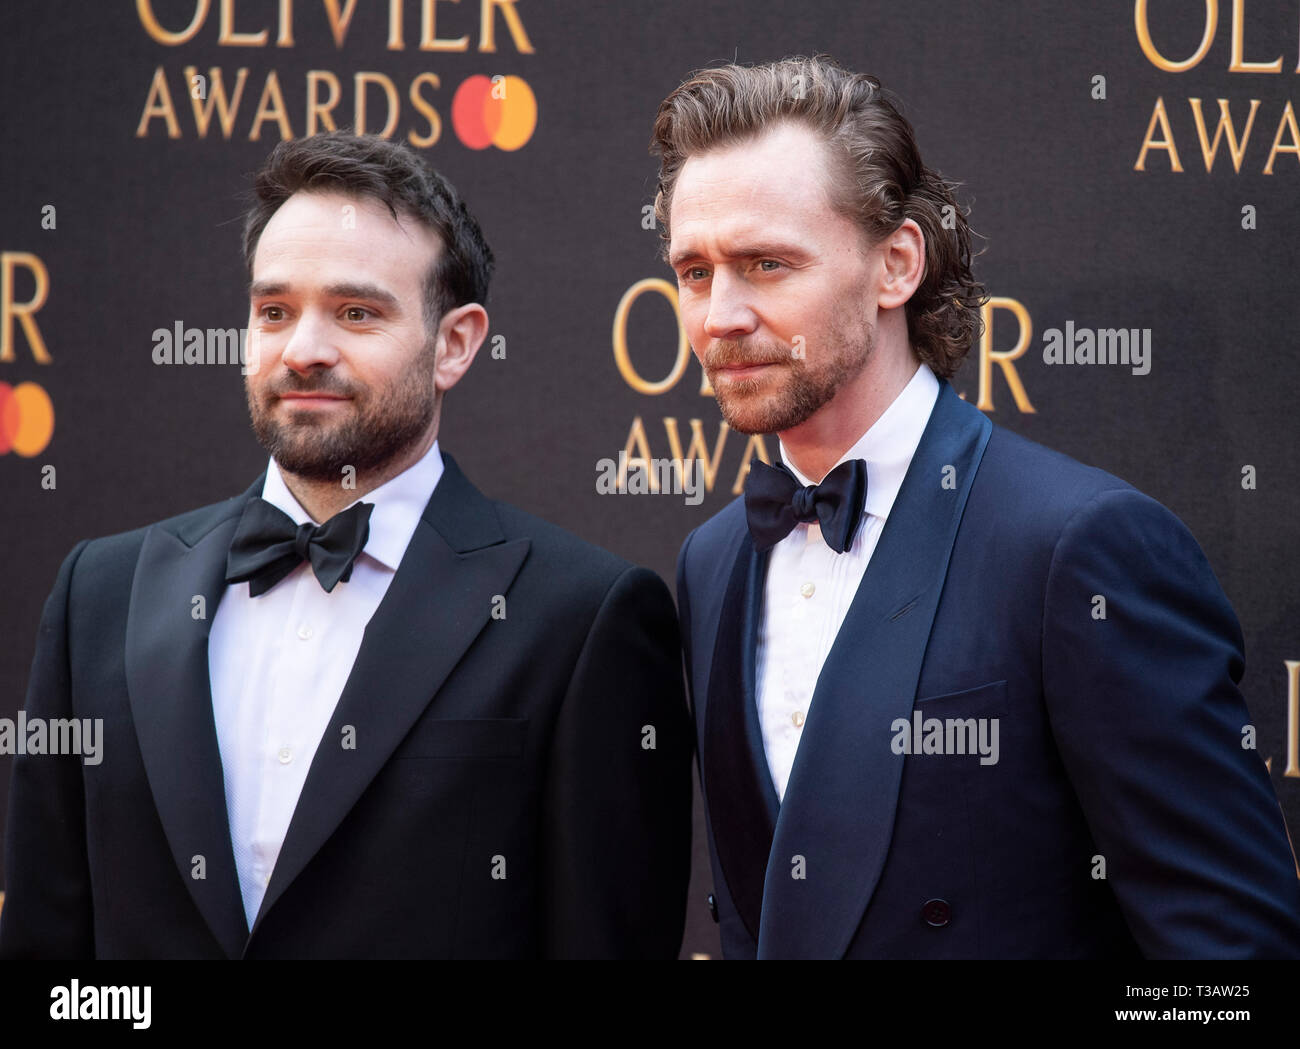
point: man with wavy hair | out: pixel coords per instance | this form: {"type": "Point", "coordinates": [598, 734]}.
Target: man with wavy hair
{"type": "Point", "coordinates": [956, 695]}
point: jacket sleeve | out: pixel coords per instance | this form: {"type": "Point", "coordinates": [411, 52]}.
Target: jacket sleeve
{"type": "Point", "coordinates": [1142, 656]}
{"type": "Point", "coordinates": [48, 911]}
{"type": "Point", "coordinates": [618, 806]}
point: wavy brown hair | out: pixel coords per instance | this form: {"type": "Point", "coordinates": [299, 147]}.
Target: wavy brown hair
{"type": "Point", "coordinates": [880, 179]}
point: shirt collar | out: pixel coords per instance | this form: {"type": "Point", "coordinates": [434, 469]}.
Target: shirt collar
{"type": "Point", "coordinates": [891, 442]}
{"type": "Point", "coordinates": [399, 504]}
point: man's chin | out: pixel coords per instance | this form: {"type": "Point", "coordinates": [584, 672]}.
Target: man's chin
{"type": "Point", "coordinates": [311, 464]}
{"type": "Point", "coordinates": [756, 416]}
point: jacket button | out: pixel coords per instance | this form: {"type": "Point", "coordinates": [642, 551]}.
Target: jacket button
{"type": "Point", "coordinates": [713, 907]}
{"type": "Point", "coordinates": [937, 913]}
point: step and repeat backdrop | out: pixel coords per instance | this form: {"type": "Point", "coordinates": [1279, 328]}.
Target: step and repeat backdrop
{"type": "Point", "coordinates": [1129, 167]}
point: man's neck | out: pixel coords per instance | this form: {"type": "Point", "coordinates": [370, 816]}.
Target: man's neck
{"type": "Point", "coordinates": [323, 499]}
{"type": "Point", "coordinates": [816, 445]}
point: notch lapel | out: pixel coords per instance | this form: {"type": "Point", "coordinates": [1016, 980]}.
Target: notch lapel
{"type": "Point", "coordinates": [435, 606]}
{"type": "Point", "coordinates": [166, 658]}
{"type": "Point", "coordinates": [839, 806]}
{"type": "Point", "coordinates": [738, 787]}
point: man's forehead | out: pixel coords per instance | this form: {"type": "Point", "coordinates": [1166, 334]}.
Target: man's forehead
{"type": "Point", "coordinates": [777, 181]}
{"type": "Point", "coordinates": [323, 212]}
{"type": "Point", "coordinates": [342, 226]}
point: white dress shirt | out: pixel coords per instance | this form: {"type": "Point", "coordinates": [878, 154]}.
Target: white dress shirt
{"type": "Point", "coordinates": [278, 664]}
{"type": "Point", "coordinates": [810, 587]}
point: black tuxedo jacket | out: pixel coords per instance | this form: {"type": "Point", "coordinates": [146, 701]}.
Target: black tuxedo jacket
{"type": "Point", "coordinates": [1123, 814]}
{"type": "Point", "coordinates": [519, 786]}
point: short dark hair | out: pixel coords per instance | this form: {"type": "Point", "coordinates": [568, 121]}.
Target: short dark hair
{"type": "Point", "coordinates": [879, 179]}
{"type": "Point", "coordinates": [372, 167]}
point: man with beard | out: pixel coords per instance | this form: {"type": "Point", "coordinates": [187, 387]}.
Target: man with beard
{"type": "Point", "coordinates": [956, 695]}
{"type": "Point", "coordinates": [360, 710]}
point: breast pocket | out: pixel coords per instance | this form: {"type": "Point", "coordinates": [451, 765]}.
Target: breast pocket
{"type": "Point", "coordinates": [979, 697]}
{"type": "Point", "coordinates": [476, 738]}
{"type": "Point", "coordinates": [960, 725]}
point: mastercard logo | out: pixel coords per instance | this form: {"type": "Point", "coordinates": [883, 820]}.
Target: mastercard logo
{"type": "Point", "coordinates": [501, 112]}
{"type": "Point", "coordinates": [26, 419]}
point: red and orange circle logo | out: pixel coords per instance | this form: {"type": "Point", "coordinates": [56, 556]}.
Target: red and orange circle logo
{"type": "Point", "coordinates": [26, 419]}
{"type": "Point", "coordinates": [500, 112]}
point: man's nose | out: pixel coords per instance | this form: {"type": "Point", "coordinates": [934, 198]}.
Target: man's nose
{"type": "Point", "coordinates": [730, 313]}
{"type": "Point", "coordinates": [310, 343]}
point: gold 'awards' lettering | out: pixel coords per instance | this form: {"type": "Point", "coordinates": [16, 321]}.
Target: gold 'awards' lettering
{"type": "Point", "coordinates": [23, 312]}
{"type": "Point", "coordinates": [250, 102]}
{"type": "Point", "coordinates": [376, 105]}
{"type": "Point", "coordinates": [989, 357]}
{"type": "Point", "coordinates": [1285, 140]}
{"type": "Point", "coordinates": [339, 15]}
{"type": "Point", "coordinates": [1237, 64]}
{"type": "Point", "coordinates": [1160, 133]}
{"type": "Point", "coordinates": [624, 360]}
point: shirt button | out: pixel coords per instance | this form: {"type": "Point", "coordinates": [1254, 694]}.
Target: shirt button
{"type": "Point", "coordinates": [797, 718]}
{"type": "Point", "coordinates": [304, 632]}
{"type": "Point", "coordinates": [286, 755]}
{"type": "Point", "coordinates": [808, 589]}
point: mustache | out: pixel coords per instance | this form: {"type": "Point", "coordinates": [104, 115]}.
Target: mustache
{"type": "Point", "coordinates": [738, 355]}
{"type": "Point", "coordinates": [294, 383]}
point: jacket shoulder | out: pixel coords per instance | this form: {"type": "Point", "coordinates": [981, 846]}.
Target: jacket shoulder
{"type": "Point", "coordinates": [558, 548]}
{"type": "Point", "coordinates": [189, 526]}
{"type": "Point", "coordinates": [1033, 484]}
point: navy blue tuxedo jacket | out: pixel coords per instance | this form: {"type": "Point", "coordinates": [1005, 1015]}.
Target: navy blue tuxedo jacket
{"type": "Point", "coordinates": [476, 737]}
{"type": "Point", "coordinates": [1123, 816]}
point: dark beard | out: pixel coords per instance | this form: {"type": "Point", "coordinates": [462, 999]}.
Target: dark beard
{"type": "Point", "coordinates": [379, 431]}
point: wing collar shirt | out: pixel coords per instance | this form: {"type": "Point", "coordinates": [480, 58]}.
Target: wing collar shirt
{"type": "Point", "coordinates": [809, 586]}
{"type": "Point", "coordinates": [278, 664]}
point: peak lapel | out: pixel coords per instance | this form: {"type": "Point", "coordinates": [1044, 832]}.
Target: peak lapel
{"type": "Point", "coordinates": [171, 703]}
{"type": "Point", "coordinates": [436, 605]}
{"type": "Point", "coordinates": [839, 805]}
{"type": "Point", "coordinates": [738, 789]}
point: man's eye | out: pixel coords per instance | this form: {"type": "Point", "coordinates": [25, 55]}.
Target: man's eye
{"type": "Point", "coordinates": [697, 273]}
{"type": "Point", "coordinates": [356, 313]}
{"type": "Point", "coordinates": [272, 313]}
{"type": "Point", "coordinates": [769, 265]}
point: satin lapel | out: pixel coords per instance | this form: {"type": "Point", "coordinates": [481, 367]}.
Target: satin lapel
{"type": "Point", "coordinates": [171, 704]}
{"type": "Point", "coordinates": [438, 602]}
{"type": "Point", "coordinates": [838, 813]}
{"type": "Point", "coordinates": [738, 788]}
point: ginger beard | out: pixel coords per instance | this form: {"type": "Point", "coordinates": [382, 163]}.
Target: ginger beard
{"type": "Point", "coordinates": [377, 425]}
{"type": "Point", "coordinates": [794, 389]}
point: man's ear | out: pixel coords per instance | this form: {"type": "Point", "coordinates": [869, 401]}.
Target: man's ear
{"type": "Point", "coordinates": [460, 333]}
{"type": "Point", "coordinates": [903, 258]}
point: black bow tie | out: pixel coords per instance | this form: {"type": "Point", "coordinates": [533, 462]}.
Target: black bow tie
{"type": "Point", "coordinates": [268, 546]}
{"type": "Point", "coordinates": [775, 502]}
